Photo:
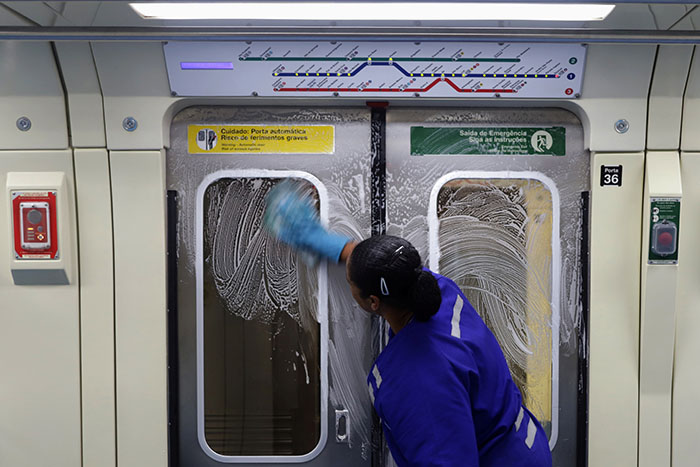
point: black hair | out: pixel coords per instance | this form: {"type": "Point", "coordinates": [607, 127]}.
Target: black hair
{"type": "Point", "coordinates": [391, 268]}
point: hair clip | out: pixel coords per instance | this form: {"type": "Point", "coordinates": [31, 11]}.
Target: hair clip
{"type": "Point", "coordinates": [395, 255]}
{"type": "Point", "coordinates": [383, 287]}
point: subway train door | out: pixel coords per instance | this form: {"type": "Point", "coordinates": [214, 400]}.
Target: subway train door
{"type": "Point", "coordinates": [268, 350]}
{"type": "Point", "coordinates": [496, 199]}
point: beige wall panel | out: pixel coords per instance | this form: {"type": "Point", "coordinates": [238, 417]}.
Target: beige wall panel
{"type": "Point", "coordinates": [614, 312]}
{"type": "Point", "coordinates": [39, 340]}
{"type": "Point", "coordinates": [657, 327]}
{"type": "Point", "coordinates": [666, 97]}
{"type": "Point", "coordinates": [8, 17]}
{"type": "Point", "coordinates": [37, 12]}
{"type": "Point", "coordinates": [145, 98]}
{"type": "Point", "coordinates": [686, 373]}
{"type": "Point", "coordinates": [616, 86]}
{"type": "Point", "coordinates": [30, 87]}
{"type": "Point", "coordinates": [666, 15]}
{"type": "Point", "coordinates": [690, 136]}
{"type": "Point", "coordinates": [94, 201]}
{"type": "Point", "coordinates": [138, 193]}
{"type": "Point", "coordinates": [83, 93]}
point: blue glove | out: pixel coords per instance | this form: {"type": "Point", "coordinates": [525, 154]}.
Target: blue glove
{"type": "Point", "coordinates": [292, 218]}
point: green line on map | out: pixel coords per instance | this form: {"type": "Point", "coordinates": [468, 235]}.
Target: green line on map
{"type": "Point", "coordinates": [377, 59]}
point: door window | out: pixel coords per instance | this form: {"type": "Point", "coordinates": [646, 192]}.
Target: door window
{"type": "Point", "coordinates": [260, 333]}
{"type": "Point", "coordinates": [497, 238]}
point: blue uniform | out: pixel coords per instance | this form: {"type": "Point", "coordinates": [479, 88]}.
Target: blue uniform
{"type": "Point", "coordinates": [446, 398]}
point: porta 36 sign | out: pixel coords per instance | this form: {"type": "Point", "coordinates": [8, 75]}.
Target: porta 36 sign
{"type": "Point", "coordinates": [610, 175]}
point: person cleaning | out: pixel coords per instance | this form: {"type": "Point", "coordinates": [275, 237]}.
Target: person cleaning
{"type": "Point", "coordinates": [441, 386]}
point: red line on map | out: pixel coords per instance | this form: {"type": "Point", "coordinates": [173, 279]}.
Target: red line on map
{"type": "Point", "coordinates": [425, 89]}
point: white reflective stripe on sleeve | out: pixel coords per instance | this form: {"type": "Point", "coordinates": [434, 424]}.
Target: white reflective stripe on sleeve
{"type": "Point", "coordinates": [531, 432]}
{"type": "Point", "coordinates": [377, 376]}
{"type": "Point", "coordinates": [519, 420]}
{"type": "Point", "coordinates": [371, 393]}
{"type": "Point", "coordinates": [456, 316]}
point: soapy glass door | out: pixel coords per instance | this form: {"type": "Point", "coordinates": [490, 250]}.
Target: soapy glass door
{"type": "Point", "coordinates": [271, 353]}
{"type": "Point", "coordinates": [496, 199]}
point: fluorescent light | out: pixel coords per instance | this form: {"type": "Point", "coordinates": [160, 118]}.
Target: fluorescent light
{"type": "Point", "coordinates": [373, 11]}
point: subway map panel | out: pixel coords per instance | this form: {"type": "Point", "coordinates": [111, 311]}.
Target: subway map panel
{"type": "Point", "coordinates": [375, 69]}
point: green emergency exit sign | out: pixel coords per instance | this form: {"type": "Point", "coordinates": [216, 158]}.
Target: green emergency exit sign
{"type": "Point", "coordinates": [508, 141]}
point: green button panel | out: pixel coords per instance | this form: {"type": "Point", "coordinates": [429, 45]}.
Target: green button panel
{"type": "Point", "coordinates": [664, 227]}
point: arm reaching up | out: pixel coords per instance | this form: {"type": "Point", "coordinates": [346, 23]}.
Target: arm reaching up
{"type": "Point", "coordinates": [291, 218]}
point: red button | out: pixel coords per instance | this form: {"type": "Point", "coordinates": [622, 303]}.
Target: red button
{"type": "Point", "coordinates": [665, 239]}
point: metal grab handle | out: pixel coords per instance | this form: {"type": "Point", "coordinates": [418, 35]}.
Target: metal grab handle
{"type": "Point", "coordinates": [342, 426]}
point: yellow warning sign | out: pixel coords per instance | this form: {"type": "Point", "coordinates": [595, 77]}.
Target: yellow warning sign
{"type": "Point", "coordinates": [279, 139]}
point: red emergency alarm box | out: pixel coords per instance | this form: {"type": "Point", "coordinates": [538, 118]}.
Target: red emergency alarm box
{"type": "Point", "coordinates": [34, 220]}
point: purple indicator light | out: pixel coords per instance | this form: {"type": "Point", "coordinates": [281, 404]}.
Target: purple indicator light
{"type": "Point", "coordinates": [206, 66]}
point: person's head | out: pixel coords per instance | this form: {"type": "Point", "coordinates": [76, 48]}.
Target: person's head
{"type": "Point", "coordinates": [387, 271]}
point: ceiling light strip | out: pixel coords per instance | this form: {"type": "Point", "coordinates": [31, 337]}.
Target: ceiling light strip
{"type": "Point", "coordinates": [374, 11]}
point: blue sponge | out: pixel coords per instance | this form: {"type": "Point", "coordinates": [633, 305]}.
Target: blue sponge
{"type": "Point", "coordinates": [291, 216]}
